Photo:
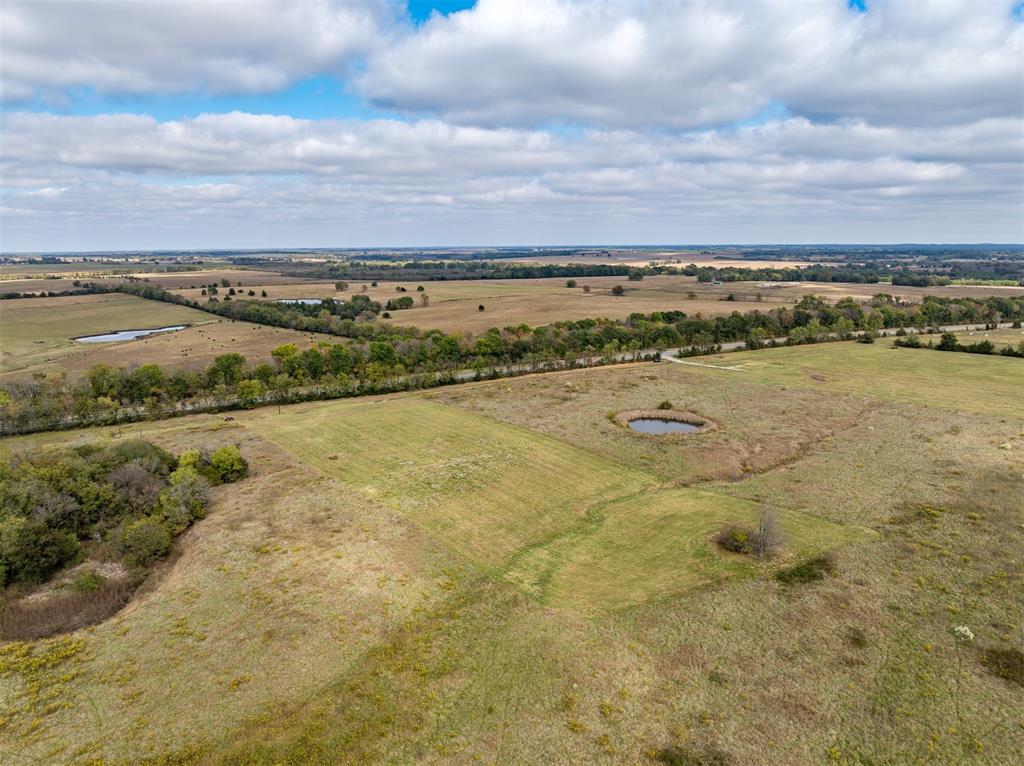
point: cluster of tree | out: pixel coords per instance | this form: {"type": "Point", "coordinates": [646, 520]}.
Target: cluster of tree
{"type": "Point", "coordinates": [949, 342]}
{"type": "Point", "coordinates": [440, 270]}
{"type": "Point", "coordinates": [131, 498]}
{"type": "Point", "coordinates": [77, 288]}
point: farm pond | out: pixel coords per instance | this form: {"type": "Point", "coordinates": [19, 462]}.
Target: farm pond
{"type": "Point", "coordinates": [111, 337]}
{"type": "Point", "coordinates": [661, 426]}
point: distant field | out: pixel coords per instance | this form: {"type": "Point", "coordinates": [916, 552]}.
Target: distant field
{"type": "Point", "coordinates": [454, 305]}
{"type": "Point", "coordinates": [194, 348]}
{"type": "Point", "coordinates": [880, 371]}
{"type": "Point", "coordinates": [40, 330]}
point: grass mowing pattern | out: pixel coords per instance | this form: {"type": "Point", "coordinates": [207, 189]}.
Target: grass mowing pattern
{"type": "Point", "coordinates": [486, 488]}
{"type": "Point", "coordinates": [569, 527]}
{"type": "Point", "coordinates": [658, 543]}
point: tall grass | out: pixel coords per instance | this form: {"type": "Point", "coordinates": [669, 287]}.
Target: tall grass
{"type": "Point", "coordinates": [63, 612]}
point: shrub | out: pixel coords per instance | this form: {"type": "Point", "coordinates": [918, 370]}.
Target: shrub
{"type": "Point", "coordinates": [736, 538]}
{"type": "Point", "coordinates": [570, 283]}
{"type": "Point", "coordinates": [665, 405]}
{"type": "Point", "coordinates": [144, 541]}
{"type": "Point", "coordinates": [228, 465]}
{"type": "Point", "coordinates": [480, 307]}
{"type": "Point", "coordinates": [1007, 664]}
{"type": "Point", "coordinates": [807, 571]}
{"type": "Point", "coordinates": [139, 489]}
{"type": "Point", "coordinates": [30, 551]}
{"type": "Point", "coordinates": [618, 290]}
{"type": "Point", "coordinates": [185, 499]}
{"type": "Point", "coordinates": [87, 582]}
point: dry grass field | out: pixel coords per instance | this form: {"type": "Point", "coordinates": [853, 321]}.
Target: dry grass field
{"type": "Point", "coordinates": [194, 348]}
{"type": "Point", "coordinates": [497, 573]}
{"type": "Point", "coordinates": [36, 331]}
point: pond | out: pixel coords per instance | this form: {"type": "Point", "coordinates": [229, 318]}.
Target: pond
{"type": "Point", "coordinates": [660, 426]}
{"type": "Point", "coordinates": [303, 301]}
{"type": "Point", "coordinates": [127, 334]}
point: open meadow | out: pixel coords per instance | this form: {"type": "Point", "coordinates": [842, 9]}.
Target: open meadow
{"type": "Point", "coordinates": [42, 330]}
{"type": "Point", "coordinates": [498, 573]}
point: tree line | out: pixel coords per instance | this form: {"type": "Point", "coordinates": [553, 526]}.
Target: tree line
{"type": "Point", "coordinates": [374, 357]}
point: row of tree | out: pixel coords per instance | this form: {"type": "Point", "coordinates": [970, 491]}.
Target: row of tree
{"type": "Point", "coordinates": [374, 357]}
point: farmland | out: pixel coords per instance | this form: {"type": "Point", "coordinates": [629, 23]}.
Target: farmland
{"type": "Point", "coordinates": [497, 572]}
{"type": "Point", "coordinates": [454, 305]}
{"type": "Point", "coordinates": [41, 330]}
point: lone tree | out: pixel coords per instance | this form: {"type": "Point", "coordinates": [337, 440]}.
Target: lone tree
{"type": "Point", "coordinates": [768, 538]}
{"type": "Point", "coordinates": [570, 283]}
{"type": "Point", "coordinates": [424, 300]}
{"type": "Point", "coordinates": [341, 286]}
{"type": "Point", "coordinates": [480, 307]}
{"type": "Point", "coordinates": [618, 290]}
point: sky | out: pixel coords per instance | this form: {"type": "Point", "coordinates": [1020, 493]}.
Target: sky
{"type": "Point", "coordinates": [312, 123]}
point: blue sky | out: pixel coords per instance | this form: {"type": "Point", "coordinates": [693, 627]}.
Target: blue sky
{"type": "Point", "coordinates": [367, 122]}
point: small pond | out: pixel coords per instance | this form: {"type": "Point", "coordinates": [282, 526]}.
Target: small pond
{"type": "Point", "coordinates": [659, 426]}
{"type": "Point", "coordinates": [303, 301]}
{"type": "Point", "coordinates": [127, 334]}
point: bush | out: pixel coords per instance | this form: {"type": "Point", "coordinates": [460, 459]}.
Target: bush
{"type": "Point", "coordinates": [185, 499]}
{"type": "Point", "coordinates": [87, 582]}
{"type": "Point", "coordinates": [480, 307]}
{"type": "Point", "coordinates": [1007, 664]}
{"type": "Point", "coordinates": [30, 551]}
{"type": "Point", "coordinates": [228, 465]}
{"type": "Point", "coordinates": [736, 538]}
{"type": "Point", "coordinates": [144, 541]}
{"type": "Point", "coordinates": [570, 283]}
{"type": "Point", "coordinates": [665, 405]}
{"type": "Point", "coordinates": [618, 290]}
{"type": "Point", "coordinates": [807, 571]}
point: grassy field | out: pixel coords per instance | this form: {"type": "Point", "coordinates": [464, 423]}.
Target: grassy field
{"type": "Point", "coordinates": [194, 347]}
{"type": "Point", "coordinates": [489, 490]}
{"type": "Point", "coordinates": [497, 573]}
{"type": "Point", "coordinates": [967, 382]}
{"type": "Point", "coordinates": [41, 330]}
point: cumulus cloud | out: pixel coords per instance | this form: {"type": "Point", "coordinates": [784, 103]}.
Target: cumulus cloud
{"type": "Point", "coordinates": [147, 46]}
{"type": "Point", "coordinates": [403, 180]}
{"type": "Point", "coordinates": [641, 62]}
{"type": "Point", "coordinates": [549, 121]}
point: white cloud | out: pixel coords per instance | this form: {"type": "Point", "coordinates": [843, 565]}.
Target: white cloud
{"type": "Point", "coordinates": [147, 46]}
{"type": "Point", "coordinates": [387, 181]}
{"type": "Point", "coordinates": [906, 123]}
{"type": "Point", "coordinates": [646, 63]}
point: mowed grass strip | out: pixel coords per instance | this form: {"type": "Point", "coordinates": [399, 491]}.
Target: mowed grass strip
{"type": "Point", "coordinates": [486, 488]}
{"type": "Point", "coordinates": [659, 543]}
{"type": "Point", "coordinates": [989, 385]}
